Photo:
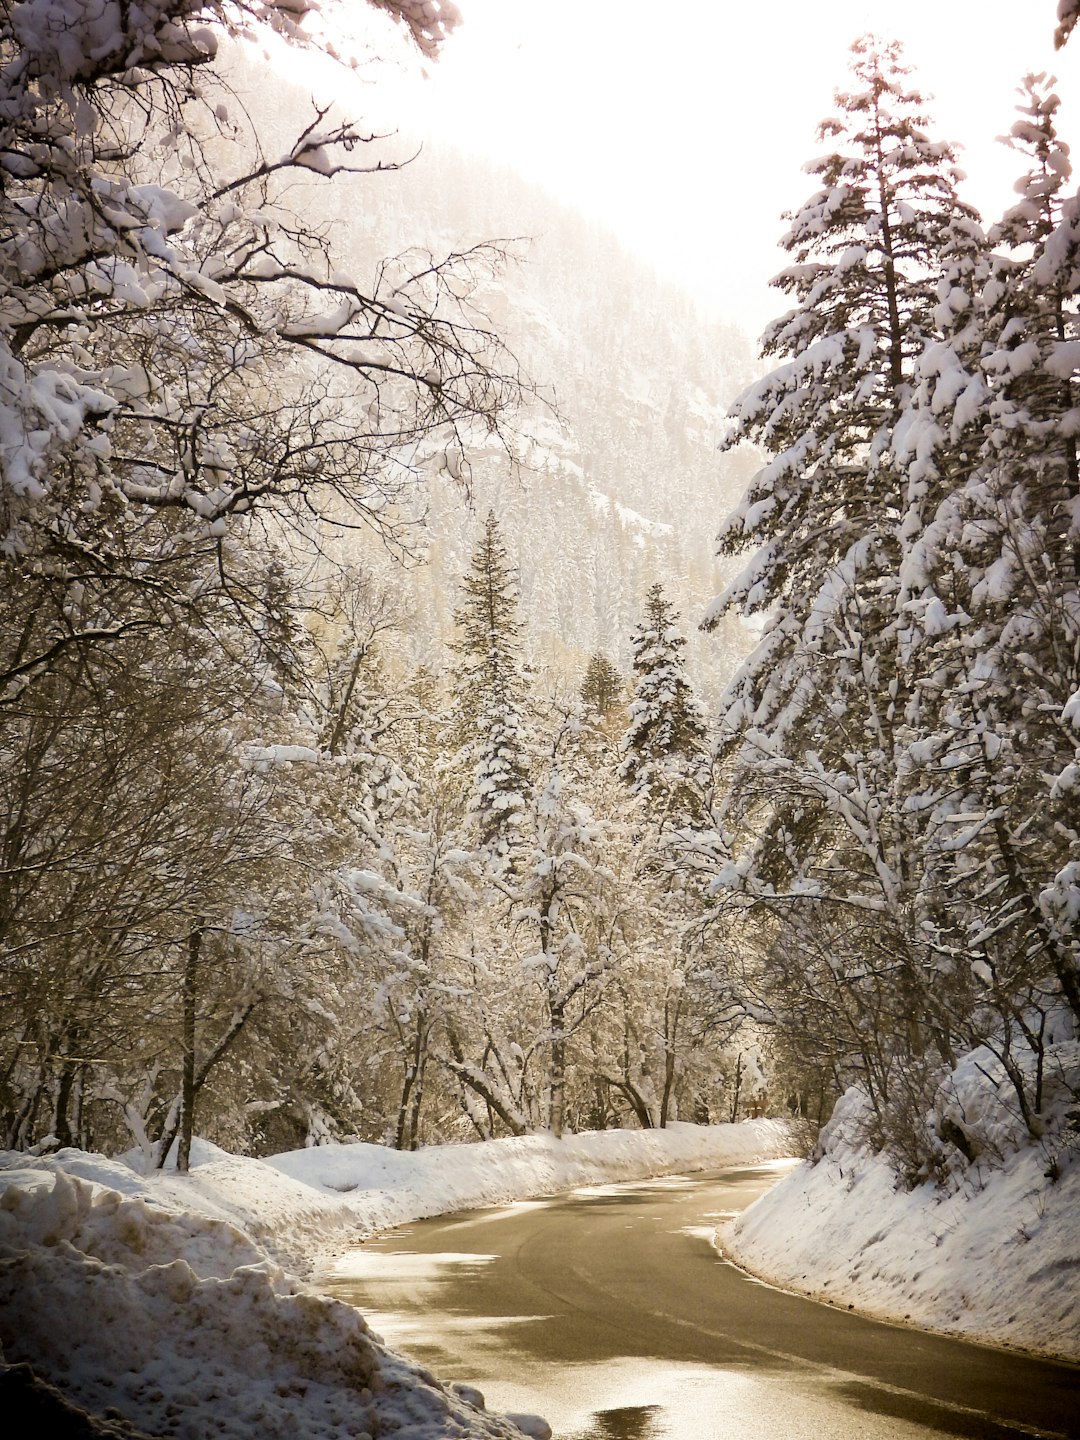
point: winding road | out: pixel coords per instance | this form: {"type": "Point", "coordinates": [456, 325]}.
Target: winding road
{"type": "Point", "coordinates": [608, 1312]}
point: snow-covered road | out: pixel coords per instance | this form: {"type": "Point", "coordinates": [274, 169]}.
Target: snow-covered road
{"type": "Point", "coordinates": [609, 1312]}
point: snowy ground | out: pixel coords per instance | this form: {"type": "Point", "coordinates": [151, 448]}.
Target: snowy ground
{"type": "Point", "coordinates": [993, 1254]}
{"type": "Point", "coordinates": [171, 1305]}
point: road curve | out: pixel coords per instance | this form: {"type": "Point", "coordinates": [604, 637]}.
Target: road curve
{"type": "Point", "coordinates": [609, 1312]}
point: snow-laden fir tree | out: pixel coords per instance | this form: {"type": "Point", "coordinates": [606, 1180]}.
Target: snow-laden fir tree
{"type": "Point", "coordinates": [993, 541]}
{"type": "Point", "coordinates": [602, 687]}
{"type": "Point", "coordinates": [867, 247]}
{"type": "Point", "coordinates": [489, 731]}
{"type": "Point", "coordinates": [664, 754]}
{"type": "Point", "coordinates": [814, 729]}
{"type": "Point", "coordinates": [680, 986]}
{"type": "Point", "coordinates": [818, 698]}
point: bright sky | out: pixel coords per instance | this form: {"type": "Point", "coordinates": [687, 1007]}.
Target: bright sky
{"type": "Point", "coordinates": [684, 126]}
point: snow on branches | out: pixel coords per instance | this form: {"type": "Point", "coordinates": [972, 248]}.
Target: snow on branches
{"type": "Point", "coordinates": [175, 340]}
{"type": "Point", "coordinates": [898, 743]}
{"type": "Point", "coordinates": [1068, 15]}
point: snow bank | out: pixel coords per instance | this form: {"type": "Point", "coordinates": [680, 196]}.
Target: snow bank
{"type": "Point", "coordinates": [388, 1187]}
{"type": "Point", "coordinates": [159, 1300]}
{"type": "Point", "coordinates": [992, 1255]}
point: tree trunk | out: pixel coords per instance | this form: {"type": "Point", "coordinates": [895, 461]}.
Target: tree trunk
{"type": "Point", "coordinates": [187, 1046]}
{"type": "Point", "coordinates": [638, 1103]}
{"type": "Point", "coordinates": [738, 1087]}
{"type": "Point", "coordinates": [557, 1078]}
{"type": "Point", "coordinates": [476, 1081]}
{"type": "Point", "coordinates": [411, 1090]}
{"type": "Point", "coordinates": [669, 1086]}
{"type": "Point", "coordinates": [68, 1070]}
{"type": "Point", "coordinates": [414, 1109]}
{"type": "Point", "coordinates": [403, 1108]}
{"type": "Point", "coordinates": [172, 1122]}
{"type": "Point", "coordinates": [61, 1123]}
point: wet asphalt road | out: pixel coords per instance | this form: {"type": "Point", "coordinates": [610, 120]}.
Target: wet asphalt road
{"type": "Point", "coordinates": [608, 1312]}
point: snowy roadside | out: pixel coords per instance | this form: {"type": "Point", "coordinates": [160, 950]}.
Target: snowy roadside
{"type": "Point", "coordinates": [161, 1301]}
{"type": "Point", "coordinates": [992, 1255]}
{"type": "Point", "coordinates": [383, 1188]}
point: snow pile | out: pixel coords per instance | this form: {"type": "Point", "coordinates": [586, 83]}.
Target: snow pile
{"type": "Point", "coordinates": [156, 1299]}
{"type": "Point", "coordinates": [178, 1324]}
{"type": "Point", "coordinates": [181, 1325]}
{"type": "Point", "coordinates": [390, 1187]}
{"type": "Point", "coordinates": [992, 1252]}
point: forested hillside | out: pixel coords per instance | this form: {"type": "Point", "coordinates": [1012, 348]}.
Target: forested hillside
{"type": "Point", "coordinates": [615, 478]}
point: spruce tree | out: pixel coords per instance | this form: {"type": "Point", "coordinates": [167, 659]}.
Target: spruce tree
{"type": "Point", "coordinates": [991, 586]}
{"type": "Point", "coordinates": [602, 687]}
{"type": "Point", "coordinates": [666, 765]}
{"type": "Point", "coordinates": [867, 248]}
{"type": "Point", "coordinates": [664, 752]}
{"type": "Point", "coordinates": [814, 731]}
{"type": "Point", "coordinates": [818, 701]}
{"type": "Point", "coordinates": [490, 735]}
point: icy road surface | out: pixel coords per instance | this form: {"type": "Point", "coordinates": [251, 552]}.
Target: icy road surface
{"type": "Point", "coordinates": [608, 1312]}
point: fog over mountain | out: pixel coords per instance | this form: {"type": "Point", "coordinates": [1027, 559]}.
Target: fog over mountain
{"type": "Point", "coordinates": [617, 482]}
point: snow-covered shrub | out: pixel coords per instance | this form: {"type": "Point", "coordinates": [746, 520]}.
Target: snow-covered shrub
{"type": "Point", "coordinates": [966, 1121]}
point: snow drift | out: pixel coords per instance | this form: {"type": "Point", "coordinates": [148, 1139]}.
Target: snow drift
{"type": "Point", "coordinates": [990, 1252]}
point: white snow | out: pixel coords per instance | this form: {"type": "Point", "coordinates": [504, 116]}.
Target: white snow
{"type": "Point", "coordinates": [262, 756]}
{"type": "Point", "coordinates": [992, 1254]}
{"type": "Point", "coordinates": [168, 1300]}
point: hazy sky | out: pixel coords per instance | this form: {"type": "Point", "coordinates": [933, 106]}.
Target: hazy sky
{"type": "Point", "coordinates": [685, 126]}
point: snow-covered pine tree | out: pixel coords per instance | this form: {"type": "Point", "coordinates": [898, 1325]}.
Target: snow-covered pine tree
{"type": "Point", "coordinates": [811, 713]}
{"type": "Point", "coordinates": [489, 731]}
{"type": "Point", "coordinates": [664, 752]}
{"type": "Point", "coordinates": [602, 687]}
{"type": "Point", "coordinates": [993, 534]}
{"type": "Point", "coordinates": [665, 762]}
{"type": "Point", "coordinates": [813, 729]}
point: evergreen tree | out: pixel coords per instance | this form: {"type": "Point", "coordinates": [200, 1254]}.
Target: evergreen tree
{"type": "Point", "coordinates": [490, 734]}
{"type": "Point", "coordinates": [815, 729]}
{"type": "Point", "coordinates": [663, 749]}
{"type": "Point", "coordinates": [867, 248]}
{"type": "Point", "coordinates": [991, 588]}
{"type": "Point", "coordinates": [820, 696]}
{"type": "Point", "coordinates": [667, 1000]}
{"type": "Point", "coordinates": [602, 687]}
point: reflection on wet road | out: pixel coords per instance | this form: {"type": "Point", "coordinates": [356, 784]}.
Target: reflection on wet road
{"type": "Point", "coordinates": [608, 1312]}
